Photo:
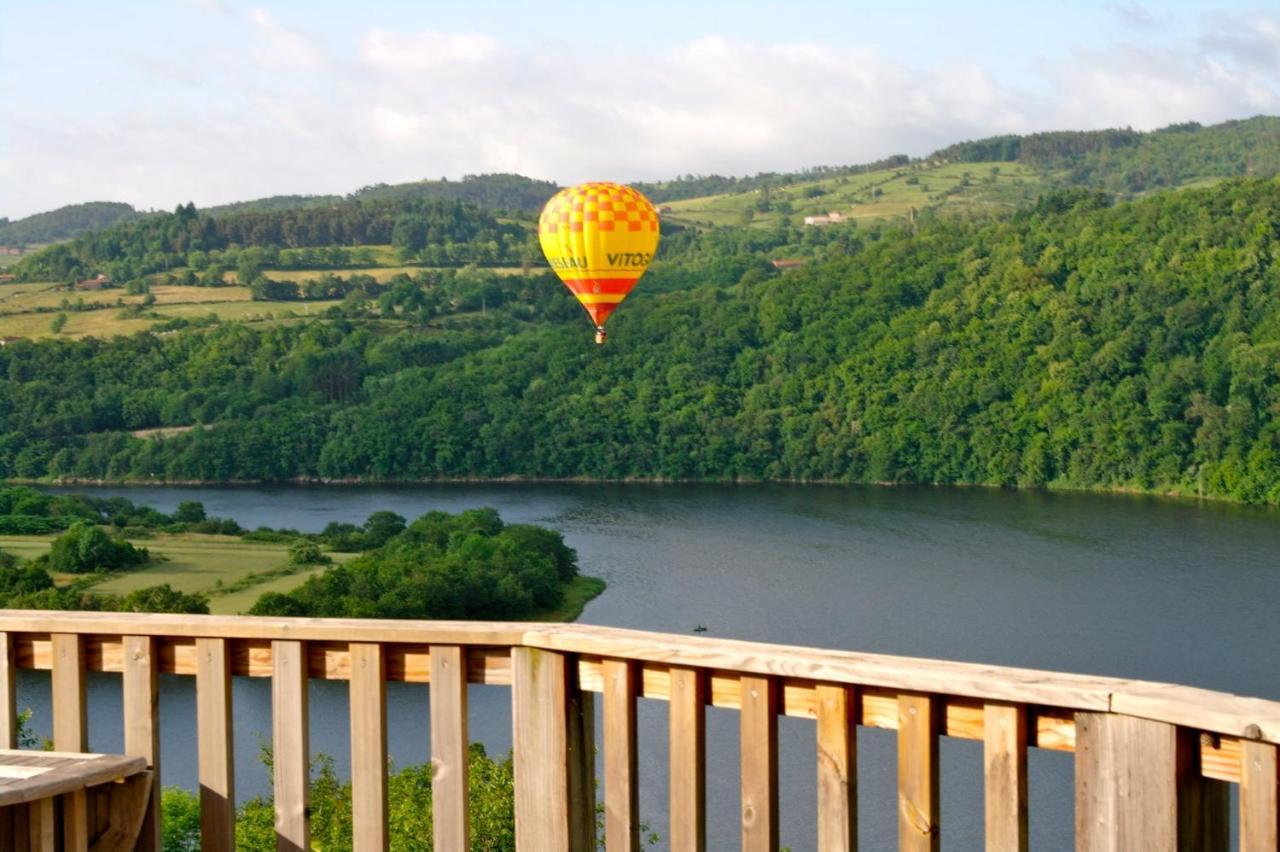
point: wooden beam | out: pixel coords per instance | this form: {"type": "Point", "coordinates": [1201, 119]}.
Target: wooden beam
{"type": "Point", "coordinates": [1005, 777]}
{"type": "Point", "coordinates": [688, 738]}
{"type": "Point", "coordinates": [142, 728]}
{"type": "Point", "coordinates": [837, 769]}
{"type": "Point", "coordinates": [8, 692]}
{"type": "Point", "coordinates": [621, 768]}
{"type": "Point", "coordinates": [758, 729]}
{"type": "Point", "coordinates": [215, 746]}
{"type": "Point", "coordinates": [540, 750]}
{"type": "Point", "coordinates": [1259, 798]}
{"type": "Point", "coordinates": [291, 756]}
{"type": "Point", "coordinates": [71, 731]}
{"type": "Point", "coordinates": [368, 698]}
{"type": "Point", "coordinates": [1139, 786]}
{"type": "Point", "coordinates": [918, 802]}
{"type": "Point", "coordinates": [450, 741]}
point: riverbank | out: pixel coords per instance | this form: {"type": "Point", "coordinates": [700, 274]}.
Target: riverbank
{"type": "Point", "coordinates": [359, 482]}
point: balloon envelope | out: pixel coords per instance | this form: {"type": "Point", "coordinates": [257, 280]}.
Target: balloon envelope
{"type": "Point", "coordinates": [599, 238]}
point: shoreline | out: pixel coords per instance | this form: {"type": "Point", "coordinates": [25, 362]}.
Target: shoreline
{"type": "Point", "coordinates": [357, 481]}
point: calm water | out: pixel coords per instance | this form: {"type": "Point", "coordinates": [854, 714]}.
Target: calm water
{"type": "Point", "coordinates": [1134, 587]}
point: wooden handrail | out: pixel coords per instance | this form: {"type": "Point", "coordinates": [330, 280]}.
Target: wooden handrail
{"type": "Point", "coordinates": [1178, 744]}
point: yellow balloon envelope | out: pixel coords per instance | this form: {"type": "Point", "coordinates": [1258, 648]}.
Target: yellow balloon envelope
{"type": "Point", "coordinates": [599, 238]}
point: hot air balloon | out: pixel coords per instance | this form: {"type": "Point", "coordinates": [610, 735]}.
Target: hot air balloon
{"type": "Point", "coordinates": [599, 238]}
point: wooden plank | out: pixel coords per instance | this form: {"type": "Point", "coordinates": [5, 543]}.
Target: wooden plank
{"type": "Point", "coordinates": [1005, 777]}
{"type": "Point", "coordinates": [71, 731]}
{"type": "Point", "coordinates": [621, 767]}
{"type": "Point", "coordinates": [142, 728]}
{"type": "Point", "coordinates": [837, 769]}
{"type": "Point", "coordinates": [122, 810]}
{"type": "Point", "coordinates": [450, 741]}
{"type": "Point", "coordinates": [1202, 709]}
{"type": "Point", "coordinates": [42, 828]}
{"type": "Point", "coordinates": [368, 698]}
{"type": "Point", "coordinates": [918, 802]}
{"type": "Point", "coordinates": [291, 757]}
{"type": "Point", "coordinates": [1259, 798]}
{"type": "Point", "coordinates": [70, 722]}
{"type": "Point", "coordinates": [921, 675]}
{"type": "Point", "coordinates": [540, 749]}
{"type": "Point", "coordinates": [214, 745]}
{"type": "Point", "coordinates": [758, 729]}
{"type": "Point", "coordinates": [582, 764]}
{"type": "Point", "coordinates": [1139, 786]}
{"type": "Point", "coordinates": [688, 738]}
{"type": "Point", "coordinates": [8, 692]}
{"type": "Point", "coordinates": [260, 627]}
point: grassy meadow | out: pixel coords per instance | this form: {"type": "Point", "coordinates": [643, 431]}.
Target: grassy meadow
{"type": "Point", "coordinates": [877, 195]}
{"type": "Point", "coordinates": [192, 562]}
{"type": "Point", "coordinates": [28, 309]}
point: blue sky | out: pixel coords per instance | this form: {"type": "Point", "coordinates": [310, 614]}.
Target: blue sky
{"type": "Point", "coordinates": [219, 100]}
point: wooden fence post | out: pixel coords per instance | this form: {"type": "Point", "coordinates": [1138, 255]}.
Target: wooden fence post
{"type": "Point", "coordinates": [1138, 786]}
{"type": "Point", "coordinates": [552, 723]}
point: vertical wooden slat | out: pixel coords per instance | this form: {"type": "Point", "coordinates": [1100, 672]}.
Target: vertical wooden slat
{"type": "Point", "coordinates": [688, 739]}
{"type": "Point", "coordinates": [581, 755]}
{"type": "Point", "coordinates": [540, 745]}
{"type": "Point", "coordinates": [621, 770]}
{"type": "Point", "coordinates": [918, 803]}
{"type": "Point", "coordinates": [1259, 797]}
{"type": "Point", "coordinates": [1005, 776]}
{"type": "Point", "coordinates": [289, 738]}
{"type": "Point", "coordinates": [42, 833]}
{"type": "Point", "coordinates": [8, 693]}
{"type": "Point", "coordinates": [1139, 786]}
{"type": "Point", "coordinates": [369, 748]}
{"type": "Point", "coordinates": [449, 748]}
{"type": "Point", "coordinates": [70, 731]}
{"type": "Point", "coordinates": [142, 726]}
{"type": "Point", "coordinates": [758, 730]}
{"type": "Point", "coordinates": [837, 769]}
{"type": "Point", "coordinates": [214, 744]}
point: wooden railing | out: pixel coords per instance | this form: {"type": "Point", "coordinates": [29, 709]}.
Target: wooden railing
{"type": "Point", "coordinates": [1152, 767]}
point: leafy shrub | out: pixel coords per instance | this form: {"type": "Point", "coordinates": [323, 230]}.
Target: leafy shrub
{"type": "Point", "coordinates": [84, 548]}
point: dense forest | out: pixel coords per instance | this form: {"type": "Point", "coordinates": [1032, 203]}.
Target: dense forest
{"type": "Point", "coordinates": [1074, 344]}
{"type": "Point", "coordinates": [65, 222]}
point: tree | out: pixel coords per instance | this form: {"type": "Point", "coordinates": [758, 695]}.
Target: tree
{"type": "Point", "coordinates": [85, 548]}
{"type": "Point", "coordinates": [189, 512]}
{"type": "Point", "coordinates": [303, 552]}
{"type": "Point", "coordinates": [59, 322]}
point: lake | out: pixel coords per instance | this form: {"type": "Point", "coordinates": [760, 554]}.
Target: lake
{"type": "Point", "coordinates": [1119, 585]}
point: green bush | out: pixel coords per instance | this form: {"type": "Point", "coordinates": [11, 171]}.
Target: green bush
{"type": "Point", "coordinates": [84, 548]}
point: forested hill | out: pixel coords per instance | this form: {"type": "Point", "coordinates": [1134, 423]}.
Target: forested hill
{"type": "Point", "coordinates": [493, 192]}
{"type": "Point", "coordinates": [65, 222]}
{"type": "Point", "coordinates": [1074, 344]}
{"type": "Point", "coordinates": [1127, 161]}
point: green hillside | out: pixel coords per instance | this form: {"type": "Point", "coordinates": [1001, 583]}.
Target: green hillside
{"type": "Point", "coordinates": [1073, 344]}
{"type": "Point", "coordinates": [65, 223]}
{"type": "Point", "coordinates": [998, 173]}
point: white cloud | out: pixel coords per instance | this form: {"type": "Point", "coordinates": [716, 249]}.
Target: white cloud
{"type": "Point", "coordinates": [282, 47]}
{"type": "Point", "coordinates": [299, 116]}
{"type": "Point", "coordinates": [423, 51]}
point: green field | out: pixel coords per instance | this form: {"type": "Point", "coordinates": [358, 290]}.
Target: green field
{"type": "Point", "coordinates": [193, 563]}
{"type": "Point", "coordinates": [28, 309]}
{"type": "Point", "coordinates": [878, 195]}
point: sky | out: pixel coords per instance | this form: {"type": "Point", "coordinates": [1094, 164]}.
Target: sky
{"type": "Point", "coordinates": [158, 103]}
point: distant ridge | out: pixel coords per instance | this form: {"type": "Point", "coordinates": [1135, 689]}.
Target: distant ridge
{"type": "Point", "coordinates": [65, 222]}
